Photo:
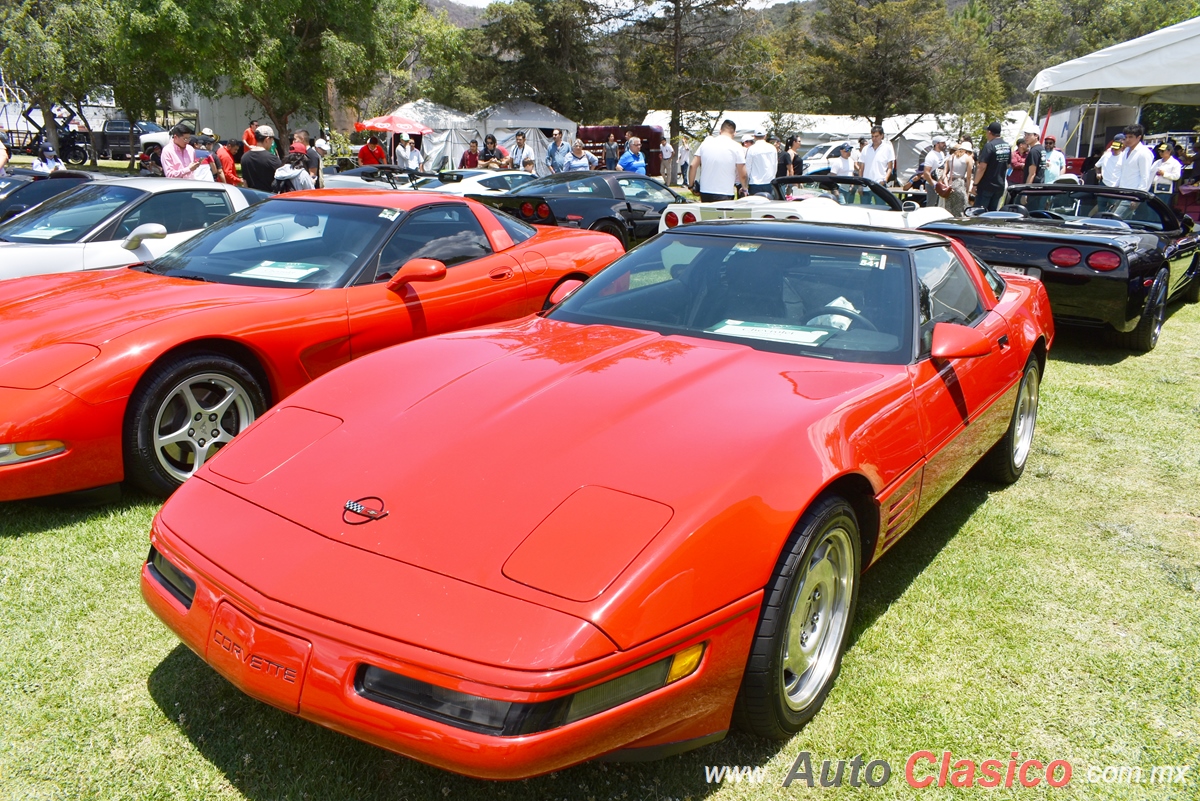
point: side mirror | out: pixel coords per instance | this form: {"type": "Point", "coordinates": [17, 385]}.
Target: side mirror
{"type": "Point", "coordinates": [909, 206]}
{"type": "Point", "coordinates": [564, 291]}
{"type": "Point", "coordinates": [1188, 223]}
{"type": "Point", "coordinates": [953, 341]}
{"type": "Point", "coordinates": [417, 270]}
{"type": "Point", "coordinates": [142, 232]}
{"type": "Point", "coordinates": [13, 211]}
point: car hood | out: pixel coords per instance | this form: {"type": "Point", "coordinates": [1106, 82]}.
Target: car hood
{"type": "Point", "coordinates": [474, 443]}
{"type": "Point", "coordinates": [99, 306]}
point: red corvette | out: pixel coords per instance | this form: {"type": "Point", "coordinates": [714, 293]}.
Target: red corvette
{"type": "Point", "coordinates": [142, 373]}
{"type": "Point", "coordinates": [616, 527]}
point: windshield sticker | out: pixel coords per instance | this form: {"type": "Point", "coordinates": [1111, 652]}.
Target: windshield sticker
{"type": "Point", "coordinates": [43, 233]}
{"type": "Point", "coordinates": [745, 247]}
{"type": "Point", "coordinates": [795, 334]}
{"type": "Point", "coordinates": [873, 260]}
{"type": "Point", "coordinates": [286, 271]}
{"type": "Point", "coordinates": [389, 214]}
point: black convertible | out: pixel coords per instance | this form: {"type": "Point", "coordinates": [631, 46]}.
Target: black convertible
{"type": "Point", "coordinates": [624, 204]}
{"type": "Point", "coordinates": [1110, 258]}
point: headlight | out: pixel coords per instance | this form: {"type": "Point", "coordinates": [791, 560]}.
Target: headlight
{"type": "Point", "coordinates": [511, 718]}
{"type": "Point", "coordinates": [17, 452]}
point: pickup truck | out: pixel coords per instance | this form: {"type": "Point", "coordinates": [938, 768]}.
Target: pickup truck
{"type": "Point", "coordinates": [115, 137]}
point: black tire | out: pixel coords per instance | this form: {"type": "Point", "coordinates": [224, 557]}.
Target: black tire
{"type": "Point", "coordinates": [610, 227]}
{"type": "Point", "coordinates": [160, 409]}
{"type": "Point", "coordinates": [1006, 461]}
{"type": "Point", "coordinates": [1143, 338]}
{"type": "Point", "coordinates": [823, 553]}
{"type": "Point", "coordinates": [75, 156]}
{"type": "Point", "coordinates": [1192, 293]}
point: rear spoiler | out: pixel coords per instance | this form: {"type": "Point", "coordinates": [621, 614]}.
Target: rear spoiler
{"type": "Point", "coordinates": [526, 208]}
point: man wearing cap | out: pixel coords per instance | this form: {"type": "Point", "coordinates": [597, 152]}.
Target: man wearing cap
{"type": "Point", "coordinates": [321, 148]}
{"type": "Point", "coordinates": [1054, 163]}
{"type": "Point", "coordinates": [259, 163]}
{"type": "Point", "coordinates": [935, 159]}
{"type": "Point", "coordinates": [1034, 166]}
{"type": "Point", "coordinates": [877, 160]}
{"type": "Point", "coordinates": [1106, 166]}
{"type": "Point", "coordinates": [408, 155]}
{"type": "Point", "coordinates": [47, 160]}
{"type": "Point", "coordinates": [761, 160]}
{"type": "Point", "coordinates": [718, 165]}
{"type": "Point", "coordinates": [990, 169]}
{"type": "Point", "coordinates": [1164, 173]}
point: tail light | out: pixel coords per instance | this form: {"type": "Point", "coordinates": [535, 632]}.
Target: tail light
{"type": "Point", "coordinates": [1104, 260]}
{"type": "Point", "coordinates": [768, 216]}
{"type": "Point", "coordinates": [543, 211]}
{"type": "Point", "coordinates": [526, 209]}
{"type": "Point", "coordinates": [672, 219]}
{"type": "Point", "coordinates": [1065, 257]}
{"type": "Point", "coordinates": [689, 217]}
{"type": "Point", "coordinates": [793, 217]}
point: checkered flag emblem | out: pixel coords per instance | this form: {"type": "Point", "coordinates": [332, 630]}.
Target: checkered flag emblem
{"type": "Point", "coordinates": [365, 514]}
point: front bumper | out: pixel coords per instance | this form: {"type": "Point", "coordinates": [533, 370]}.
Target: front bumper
{"type": "Point", "coordinates": [92, 434]}
{"type": "Point", "coordinates": [308, 665]}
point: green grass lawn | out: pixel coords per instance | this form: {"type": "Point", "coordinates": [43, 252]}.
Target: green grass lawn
{"type": "Point", "coordinates": [1059, 618]}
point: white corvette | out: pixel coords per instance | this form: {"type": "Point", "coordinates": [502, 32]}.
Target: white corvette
{"type": "Point", "coordinates": [113, 223]}
{"type": "Point", "coordinates": [812, 198]}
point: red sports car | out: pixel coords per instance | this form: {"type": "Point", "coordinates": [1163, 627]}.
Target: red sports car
{"type": "Point", "coordinates": [617, 526]}
{"type": "Point", "coordinates": [142, 373]}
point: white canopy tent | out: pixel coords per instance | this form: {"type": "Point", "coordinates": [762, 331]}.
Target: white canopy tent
{"type": "Point", "coordinates": [1160, 67]}
{"type": "Point", "coordinates": [453, 131]}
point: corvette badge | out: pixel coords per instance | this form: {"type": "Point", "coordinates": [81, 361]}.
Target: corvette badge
{"type": "Point", "coordinates": [364, 510]}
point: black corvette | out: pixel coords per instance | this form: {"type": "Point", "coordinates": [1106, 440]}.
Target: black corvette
{"type": "Point", "coordinates": [625, 204]}
{"type": "Point", "coordinates": [1109, 258]}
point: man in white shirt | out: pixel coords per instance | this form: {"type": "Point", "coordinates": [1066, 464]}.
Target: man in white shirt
{"type": "Point", "coordinates": [1164, 172]}
{"type": "Point", "coordinates": [935, 159]}
{"type": "Point", "coordinates": [762, 161]}
{"type": "Point", "coordinates": [1134, 167]}
{"type": "Point", "coordinates": [1107, 167]}
{"type": "Point", "coordinates": [878, 159]}
{"type": "Point", "coordinates": [724, 163]}
{"type": "Point", "coordinates": [665, 152]}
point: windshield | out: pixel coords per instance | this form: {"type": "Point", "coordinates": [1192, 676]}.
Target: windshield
{"type": "Point", "coordinates": [283, 243]}
{"type": "Point", "coordinates": [817, 152]}
{"type": "Point", "coordinates": [1091, 209]}
{"type": "Point", "coordinates": [844, 303]}
{"type": "Point", "coordinates": [845, 193]}
{"type": "Point", "coordinates": [150, 127]}
{"type": "Point", "coordinates": [70, 216]}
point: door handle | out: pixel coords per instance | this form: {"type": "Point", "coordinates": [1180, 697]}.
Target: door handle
{"type": "Point", "coordinates": [501, 273]}
{"type": "Point", "coordinates": [1002, 341]}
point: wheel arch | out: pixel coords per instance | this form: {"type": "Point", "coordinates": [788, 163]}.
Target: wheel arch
{"type": "Point", "coordinates": [619, 223]}
{"type": "Point", "coordinates": [858, 491]}
{"type": "Point", "coordinates": [238, 351]}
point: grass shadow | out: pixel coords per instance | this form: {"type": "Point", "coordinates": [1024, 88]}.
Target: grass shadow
{"type": "Point", "coordinates": [888, 579]}
{"type": "Point", "coordinates": [37, 516]}
{"type": "Point", "coordinates": [1085, 345]}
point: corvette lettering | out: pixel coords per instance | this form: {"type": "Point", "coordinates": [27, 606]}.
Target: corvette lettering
{"type": "Point", "coordinates": [251, 660]}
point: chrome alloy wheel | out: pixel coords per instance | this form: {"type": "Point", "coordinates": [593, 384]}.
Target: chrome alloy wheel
{"type": "Point", "coordinates": [818, 619]}
{"type": "Point", "coordinates": [1026, 418]}
{"type": "Point", "coordinates": [200, 415]}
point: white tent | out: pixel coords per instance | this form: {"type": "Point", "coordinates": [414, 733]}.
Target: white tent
{"type": "Point", "coordinates": [506, 120]}
{"type": "Point", "coordinates": [1160, 67]}
{"type": "Point", "coordinates": [453, 131]}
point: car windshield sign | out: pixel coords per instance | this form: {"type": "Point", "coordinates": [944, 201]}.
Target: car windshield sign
{"type": "Point", "coordinates": [70, 216]}
{"type": "Point", "coordinates": [282, 243]}
{"type": "Point", "coordinates": [837, 302]}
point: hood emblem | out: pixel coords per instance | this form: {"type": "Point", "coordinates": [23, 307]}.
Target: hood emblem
{"type": "Point", "coordinates": [364, 510]}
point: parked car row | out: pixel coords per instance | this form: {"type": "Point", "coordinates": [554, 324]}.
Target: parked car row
{"type": "Point", "coordinates": [518, 541]}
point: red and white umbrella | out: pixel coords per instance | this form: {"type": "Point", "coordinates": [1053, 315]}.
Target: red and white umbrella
{"type": "Point", "coordinates": [394, 124]}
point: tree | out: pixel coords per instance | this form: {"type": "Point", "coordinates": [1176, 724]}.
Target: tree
{"type": "Point", "coordinates": [878, 58]}
{"type": "Point", "coordinates": [696, 54]}
{"type": "Point", "coordinates": [32, 57]}
{"type": "Point", "coordinates": [968, 85]}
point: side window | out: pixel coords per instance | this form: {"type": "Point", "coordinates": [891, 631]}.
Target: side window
{"type": "Point", "coordinates": [516, 229]}
{"type": "Point", "coordinates": [495, 182]}
{"type": "Point", "coordinates": [177, 211]}
{"type": "Point", "coordinates": [946, 293]}
{"type": "Point", "coordinates": [992, 277]}
{"type": "Point", "coordinates": [449, 233]}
